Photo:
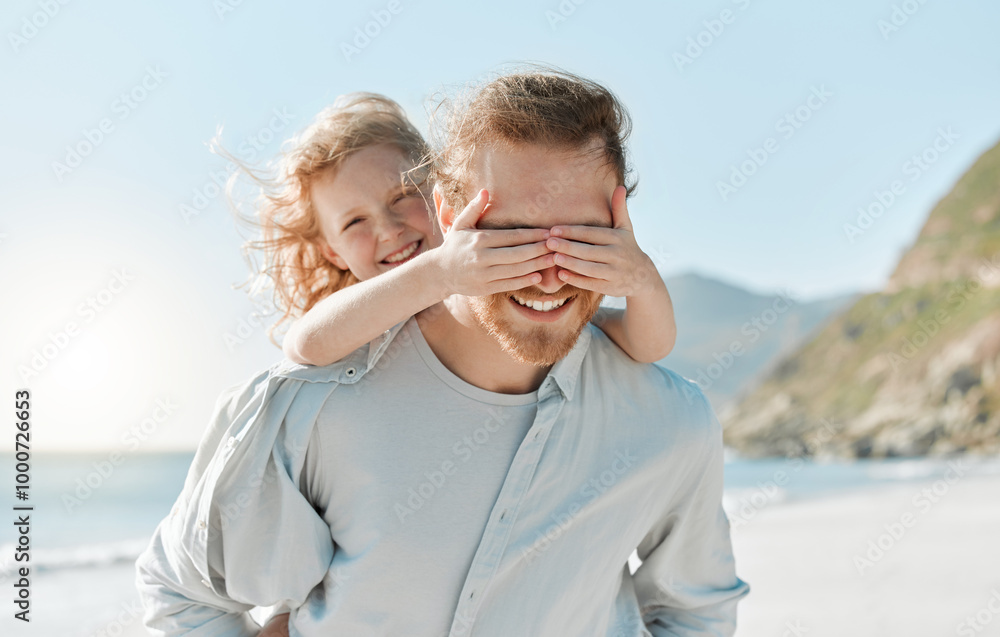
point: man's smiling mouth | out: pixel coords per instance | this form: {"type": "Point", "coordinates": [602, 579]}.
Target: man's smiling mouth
{"type": "Point", "coordinates": [541, 306]}
{"type": "Point", "coordinates": [542, 311]}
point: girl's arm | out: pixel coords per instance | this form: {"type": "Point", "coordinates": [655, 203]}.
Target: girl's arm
{"type": "Point", "coordinates": [347, 319]}
{"type": "Point", "coordinates": [646, 329]}
{"type": "Point", "coordinates": [609, 261]}
{"type": "Point", "coordinates": [470, 261]}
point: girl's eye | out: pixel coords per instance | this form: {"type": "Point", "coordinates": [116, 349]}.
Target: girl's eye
{"type": "Point", "coordinates": [404, 195]}
{"type": "Point", "coordinates": [352, 222]}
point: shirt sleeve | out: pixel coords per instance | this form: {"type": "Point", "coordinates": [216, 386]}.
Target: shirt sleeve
{"type": "Point", "coordinates": [242, 534]}
{"type": "Point", "coordinates": [687, 583]}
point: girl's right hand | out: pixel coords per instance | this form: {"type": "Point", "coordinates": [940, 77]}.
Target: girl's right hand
{"type": "Point", "coordinates": [478, 262]}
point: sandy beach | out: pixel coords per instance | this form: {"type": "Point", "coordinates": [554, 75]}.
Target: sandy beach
{"type": "Point", "coordinates": [920, 559]}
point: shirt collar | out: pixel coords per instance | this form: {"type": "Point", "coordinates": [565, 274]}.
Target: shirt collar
{"type": "Point", "coordinates": [564, 374]}
{"type": "Point", "coordinates": [347, 370]}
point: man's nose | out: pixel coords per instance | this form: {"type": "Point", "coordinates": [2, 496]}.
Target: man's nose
{"type": "Point", "coordinates": [550, 283]}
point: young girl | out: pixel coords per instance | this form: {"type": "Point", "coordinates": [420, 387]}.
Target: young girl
{"type": "Point", "coordinates": [353, 246]}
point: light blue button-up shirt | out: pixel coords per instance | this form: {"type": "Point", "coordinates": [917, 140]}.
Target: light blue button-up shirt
{"type": "Point", "coordinates": [619, 456]}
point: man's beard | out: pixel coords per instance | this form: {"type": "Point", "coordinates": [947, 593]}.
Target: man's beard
{"type": "Point", "coordinates": [542, 344]}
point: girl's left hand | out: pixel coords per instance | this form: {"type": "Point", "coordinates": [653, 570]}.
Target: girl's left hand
{"type": "Point", "coordinates": [604, 260]}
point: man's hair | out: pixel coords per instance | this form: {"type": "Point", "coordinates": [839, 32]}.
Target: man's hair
{"type": "Point", "coordinates": [543, 106]}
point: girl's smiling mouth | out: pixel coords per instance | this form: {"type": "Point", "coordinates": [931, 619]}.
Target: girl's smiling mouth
{"type": "Point", "coordinates": [404, 254]}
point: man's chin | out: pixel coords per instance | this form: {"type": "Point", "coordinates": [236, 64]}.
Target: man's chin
{"type": "Point", "coordinates": [529, 341]}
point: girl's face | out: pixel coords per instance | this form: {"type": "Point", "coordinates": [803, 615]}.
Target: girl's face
{"type": "Point", "coordinates": [370, 222]}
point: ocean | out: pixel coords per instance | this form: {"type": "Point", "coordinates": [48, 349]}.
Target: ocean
{"type": "Point", "coordinates": [92, 518]}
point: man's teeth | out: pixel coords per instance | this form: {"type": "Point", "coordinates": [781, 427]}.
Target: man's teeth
{"type": "Point", "coordinates": [541, 306]}
{"type": "Point", "coordinates": [402, 255]}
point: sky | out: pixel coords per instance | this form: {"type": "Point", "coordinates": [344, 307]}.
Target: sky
{"type": "Point", "coordinates": [760, 130]}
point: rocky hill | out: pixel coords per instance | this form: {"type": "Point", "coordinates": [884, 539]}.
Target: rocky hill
{"type": "Point", "coordinates": [711, 315]}
{"type": "Point", "coordinates": [911, 370]}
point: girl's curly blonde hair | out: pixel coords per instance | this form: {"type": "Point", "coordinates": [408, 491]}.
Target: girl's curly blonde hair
{"type": "Point", "coordinates": [288, 229]}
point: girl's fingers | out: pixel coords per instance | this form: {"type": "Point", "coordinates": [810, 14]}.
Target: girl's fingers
{"type": "Point", "coordinates": [582, 282]}
{"type": "Point", "coordinates": [619, 211]}
{"type": "Point", "coordinates": [525, 267]}
{"type": "Point", "coordinates": [596, 253]}
{"type": "Point", "coordinates": [515, 283]}
{"type": "Point", "coordinates": [469, 217]}
{"type": "Point", "coordinates": [580, 266]}
{"type": "Point", "coordinates": [587, 234]}
{"type": "Point", "coordinates": [513, 236]}
{"type": "Point", "coordinates": [517, 254]}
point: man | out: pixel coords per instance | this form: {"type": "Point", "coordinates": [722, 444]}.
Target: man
{"type": "Point", "coordinates": [486, 467]}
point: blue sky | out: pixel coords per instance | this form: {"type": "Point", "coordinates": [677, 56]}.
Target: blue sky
{"type": "Point", "coordinates": [161, 77]}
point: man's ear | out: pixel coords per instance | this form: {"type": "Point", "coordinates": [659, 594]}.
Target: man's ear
{"type": "Point", "coordinates": [332, 256]}
{"type": "Point", "coordinates": [445, 213]}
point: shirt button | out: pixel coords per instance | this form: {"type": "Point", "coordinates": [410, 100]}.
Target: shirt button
{"type": "Point", "coordinates": [538, 433]}
{"type": "Point", "coordinates": [351, 372]}
{"type": "Point", "coordinates": [472, 594]}
{"type": "Point", "coordinates": [231, 442]}
{"type": "Point", "coordinates": [201, 524]}
{"type": "Point", "coordinates": [503, 515]}
{"type": "Point", "coordinates": [205, 582]}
